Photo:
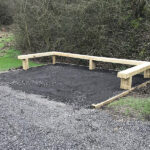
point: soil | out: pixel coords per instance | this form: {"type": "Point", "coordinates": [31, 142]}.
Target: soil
{"type": "Point", "coordinates": [142, 92]}
{"type": "Point", "coordinates": [70, 84]}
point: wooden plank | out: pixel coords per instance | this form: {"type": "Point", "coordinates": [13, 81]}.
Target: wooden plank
{"type": "Point", "coordinates": [37, 55]}
{"type": "Point", "coordinates": [102, 59]}
{"type": "Point", "coordinates": [25, 64]}
{"type": "Point", "coordinates": [99, 105]}
{"type": "Point", "coordinates": [92, 65]}
{"type": "Point", "coordinates": [70, 55]}
{"type": "Point", "coordinates": [85, 57]}
{"type": "Point", "coordinates": [118, 61]}
{"type": "Point", "coordinates": [134, 70]}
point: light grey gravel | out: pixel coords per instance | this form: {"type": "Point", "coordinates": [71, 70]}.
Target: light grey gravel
{"type": "Point", "coordinates": [30, 122]}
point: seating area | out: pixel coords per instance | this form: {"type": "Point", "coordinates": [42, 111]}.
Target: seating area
{"type": "Point", "coordinates": [125, 76]}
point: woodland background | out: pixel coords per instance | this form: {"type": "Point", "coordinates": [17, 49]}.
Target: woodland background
{"type": "Point", "coordinates": [111, 28]}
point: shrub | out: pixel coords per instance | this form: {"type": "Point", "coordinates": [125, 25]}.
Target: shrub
{"type": "Point", "coordinates": [6, 17]}
{"type": "Point", "coordinates": [95, 27]}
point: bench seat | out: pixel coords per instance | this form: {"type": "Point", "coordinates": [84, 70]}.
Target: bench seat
{"type": "Point", "coordinates": [126, 75]}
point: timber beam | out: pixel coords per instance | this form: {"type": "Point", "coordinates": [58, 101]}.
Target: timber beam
{"type": "Point", "coordinates": [126, 75]}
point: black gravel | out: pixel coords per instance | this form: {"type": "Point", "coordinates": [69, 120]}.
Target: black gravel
{"type": "Point", "coordinates": [69, 84]}
{"type": "Point", "coordinates": [30, 122]}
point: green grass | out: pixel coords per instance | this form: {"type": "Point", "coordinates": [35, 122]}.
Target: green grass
{"type": "Point", "coordinates": [8, 57]}
{"type": "Point", "coordinates": [2, 45]}
{"type": "Point", "coordinates": [7, 39]}
{"type": "Point", "coordinates": [139, 107]}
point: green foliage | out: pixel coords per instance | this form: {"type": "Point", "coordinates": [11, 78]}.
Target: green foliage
{"type": "Point", "coordinates": [7, 39]}
{"type": "Point", "coordinates": [8, 57]}
{"type": "Point", "coordinates": [95, 27]}
{"type": "Point", "coordinates": [9, 60]}
{"type": "Point", "coordinates": [1, 45]}
{"type": "Point", "coordinates": [7, 63]}
{"type": "Point", "coordinates": [132, 106]}
{"type": "Point", "coordinates": [135, 24]}
{"type": "Point", "coordinates": [6, 10]}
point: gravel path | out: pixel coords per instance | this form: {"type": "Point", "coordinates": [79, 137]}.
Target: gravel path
{"type": "Point", "coordinates": [30, 122]}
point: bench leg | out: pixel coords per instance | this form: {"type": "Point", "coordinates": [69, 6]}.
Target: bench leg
{"type": "Point", "coordinates": [147, 74]}
{"type": "Point", "coordinates": [25, 64]}
{"type": "Point", "coordinates": [126, 84]}
{"type": "Point", "coordinates": [53, 60]}
{"type": "Point", "coordinates": [91, 65]}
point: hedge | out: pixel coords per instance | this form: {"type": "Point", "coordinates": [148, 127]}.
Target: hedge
{"type": "Point", "coordinates": [112, 28]}
{"type": "Point", "coordinates": [6, 12]}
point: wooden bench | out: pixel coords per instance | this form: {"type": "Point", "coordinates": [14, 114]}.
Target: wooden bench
{"type": "Point", "coordinates": [25, 58]}
{"type": "Point", "coordinates": [91, 59]}
{"type": "Point", "coordinates": [126, 76]}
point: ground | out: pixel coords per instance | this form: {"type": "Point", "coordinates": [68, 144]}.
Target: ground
{"type": "Point", "coordinates": [136, 104]}
{"type": "Point", "coordinates": [38, 121]}
{"type": "Point", "coordinates": [70, 84]}
{"type": "Point", "coordinates": [8, 54]}
{"type": "Point", "coordinates": [48, 107]}
{"type": "Point", "coordinates": [30, 122]}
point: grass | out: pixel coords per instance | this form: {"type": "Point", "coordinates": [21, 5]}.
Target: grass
{"type": "Point", "coordinates": [7, 39]}
{"type": "Point", "coordinates": [8, 55]}
{"type": "Point", "coordinates": [1, 45]}
{"type": "Point", "coordinates": [130, 106]}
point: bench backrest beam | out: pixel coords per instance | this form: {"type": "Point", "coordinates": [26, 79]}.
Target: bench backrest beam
{"type": "Point", "coordinates": [126, 76]}
{"type": "Point", "coordinates": [85, 57]}
{"type": "Point", "coordinates": [134, 70]}
{"type": "Point", "coordinates": [37, 55]}
{"type": "Point", "coordinates": [101, 59]}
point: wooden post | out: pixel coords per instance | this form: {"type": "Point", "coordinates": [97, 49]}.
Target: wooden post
{"type": "Point", "coordinates": [91, 65]}
{"type": "Point", "coordinates": [147, 73]}
{"type": "Point", "coordinates": [126, 83]}
{"type": "Point", "coordinates": [53, 60]}
{"type": "Point", "coordinates": [99, 105]}
{"type": "Point", "coordinates": [25, 63]}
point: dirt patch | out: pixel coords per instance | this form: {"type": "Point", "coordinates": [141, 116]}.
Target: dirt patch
{"type": "Point", "coordinates": [142, 92]}
{"type": "Point", "coordinates": [69, 84]}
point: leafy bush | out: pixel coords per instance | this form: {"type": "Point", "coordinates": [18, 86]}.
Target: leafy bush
{"type": "Point", "coordinates": [6, 17]}
{"type": "Point", "coordinates": [95, 27]}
